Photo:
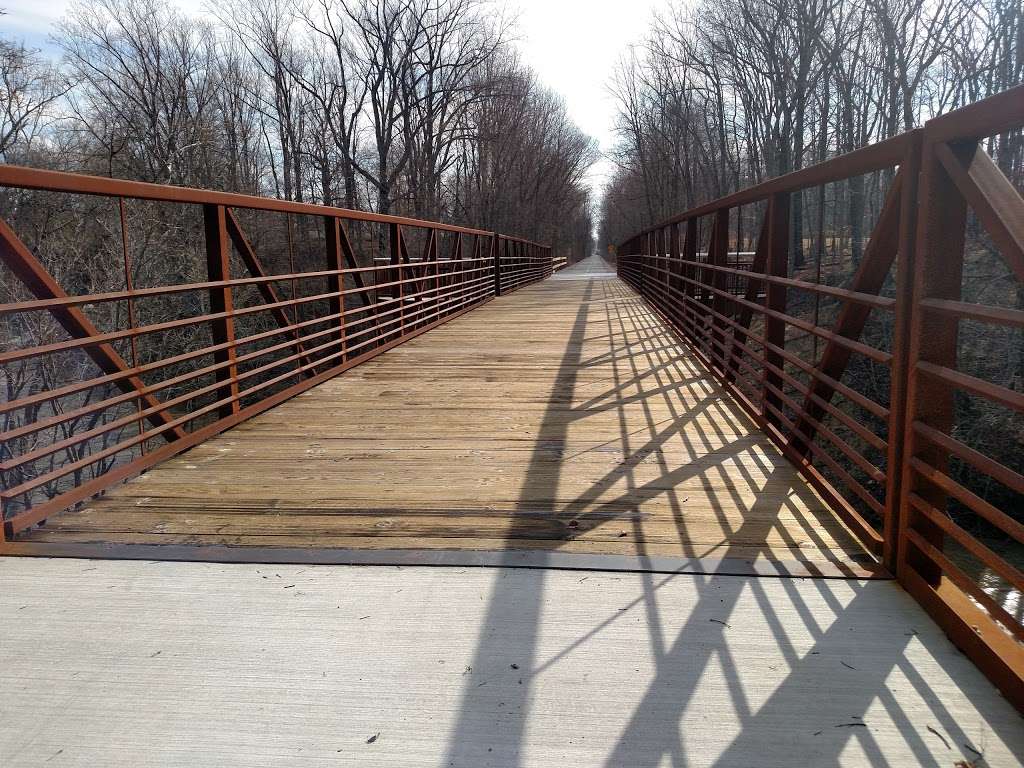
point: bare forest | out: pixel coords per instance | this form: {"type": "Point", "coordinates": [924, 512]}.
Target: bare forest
{"type": "Point", "coordinates": [415, 107]}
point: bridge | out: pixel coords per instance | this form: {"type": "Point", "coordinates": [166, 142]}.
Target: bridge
{"type": "Point", "coordinates": [406, 493]}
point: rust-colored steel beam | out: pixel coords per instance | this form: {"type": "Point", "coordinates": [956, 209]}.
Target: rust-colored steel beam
{"type": "Point", "coordinates": [753, 289]}
{"type": "Point", "coordinates": [335, 282]}
{"type": "Point", "coordinates": [496, 259]}
{"type": "Point", "coordinates": [35, 277]}
{"type": "Point", "coordinates": [876, 157]}
{"type": "Point", "coordinates": [255, 267]}
{"type": "Point", "coordinates": [777, 264]}
{"type": "Point", "coordinates": [871, 274]}
{"type": "Point", "coordinates": [938, 273]}
{"type": "Point", "coordinates": [995, 201]}
{"type": "Point", "coordinates": [351, 264]}
{"type": "Point", "coordinates": [222, 328]}
{"type": "Point", "coordinates": [717, 257]}
{"type": "Point", "coordinates": [101, 186]}
{"type": "Point", "coordinates": [910, 170]}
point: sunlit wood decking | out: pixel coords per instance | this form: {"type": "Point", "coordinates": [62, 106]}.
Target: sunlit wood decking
{"type": "Point", "coordinates": [564, 418]}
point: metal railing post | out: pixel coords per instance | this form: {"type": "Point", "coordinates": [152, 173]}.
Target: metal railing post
{"type": "Point", "coordinates": [496, 261]}
{"type": "Point", "coordinates": [937, 274]}
{"type": "Point", "coordinates": [775, 301]}
{"type": "Point", "coordinates": [892, 525]}
{"type": "Point", "coordinates": [335, 282]}
{"type": "Point", "coordinates": [218, 269]}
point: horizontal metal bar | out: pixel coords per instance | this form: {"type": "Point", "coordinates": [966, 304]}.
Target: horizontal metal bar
{"type": "Point", "coordinates": [878, 356]}
{"type": "Point", "coordinates": [117, 474]}
{"type": "Point", "coordinates": [855, 456]}
{"type": "Point", "coordinates": [1013, 318]}
{"type": "Point", "coordinates": [971, 500]}
{"type": "Point", "coordinates": [864, 531]}
{"type": "Point", "coordinates": [57, 181]}
{"type": "Point", "coordinates": [878, 302]}
{"type": "Point", "coordinates": [71, 389]}
{"type": "Point", "coordinates": [964, 582]}
{"type": "Point", "coordinates": [848, 480]}
{"type": "Point", "coordinates": [979, 461]}
{"type": "Point", "coordinates": [973, 384]}
{"type": "Point", "coordinates": [850, 394]}
{"type": "Point", "coordinates": [125, 421]}
{"type": "Point", "coordinates": [870, 469]}
{"type": "Point", "coordinates": [996, 114]}
{"type": "Point", "coordinates": [167, 290]}
{"type": "Point", "coordinates": [876, 157]}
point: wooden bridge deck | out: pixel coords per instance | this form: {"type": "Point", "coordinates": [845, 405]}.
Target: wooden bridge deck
{"type": "Point", "coordinates": [564, 418]}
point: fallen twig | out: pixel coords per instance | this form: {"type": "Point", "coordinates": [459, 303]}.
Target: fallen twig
{"type": "Point", "coordinates": [940, 736]}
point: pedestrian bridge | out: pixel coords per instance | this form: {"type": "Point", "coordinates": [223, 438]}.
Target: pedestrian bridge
{"type": "Point", "coordinates": [429, 501]}
{"type": "Point", "coordinates": [564, 418]}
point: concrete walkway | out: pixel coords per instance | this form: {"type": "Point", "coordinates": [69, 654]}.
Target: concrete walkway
{"type": "Point", "coordinates": [129, 663]}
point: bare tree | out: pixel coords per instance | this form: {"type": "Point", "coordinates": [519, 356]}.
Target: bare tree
{"type": "Point", "coordinates": [29, 87]}
{"type": "Point", "coordinates": [144, 89]}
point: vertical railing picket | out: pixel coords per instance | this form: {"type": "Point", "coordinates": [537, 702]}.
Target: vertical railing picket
{"type": "Point", "coordinates": [775, 301]}
{"type": "Point", "coordinates": [674, 268]}
{"type": "Point", "coordinates": [906, 251]}
{"type": "Point", "coordinates": [690, 257]}
{"type": "Point", "coordinates": [335, 281]}
{"type": "Point", "coordinates": [496, 262]}
{"type": "Point", "coordinates": [718, 258]}
{"type": "Point", "coordinates": [222, 329]}
{"type": "Point", "coordinates": [937, 274]}
{"type": "Point", "coordinates": [129, 285]}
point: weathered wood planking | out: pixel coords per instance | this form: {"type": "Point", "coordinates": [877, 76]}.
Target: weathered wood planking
{"type": "Point", "coordinates": [564, 416]}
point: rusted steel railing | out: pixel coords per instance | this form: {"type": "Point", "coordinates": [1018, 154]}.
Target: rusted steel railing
{"type": "Point", "coordinates": [520, 262]}
{"type": "Point", "coordinates": [250, 302]}
{"type": "Point", "coordinates": [880, 456]}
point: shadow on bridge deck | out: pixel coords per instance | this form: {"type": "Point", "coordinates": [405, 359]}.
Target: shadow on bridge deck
{"type": "Point", "coordinates": [562, 420]}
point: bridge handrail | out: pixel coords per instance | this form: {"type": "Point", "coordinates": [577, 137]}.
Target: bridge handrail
{"type": "Point", "coordinates": [883, 458]}
{"type": "Point", "coordinates": [275, 315]}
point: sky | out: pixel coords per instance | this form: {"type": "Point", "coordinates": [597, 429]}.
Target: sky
{"type": "Point", "coordinates": [572, 44]}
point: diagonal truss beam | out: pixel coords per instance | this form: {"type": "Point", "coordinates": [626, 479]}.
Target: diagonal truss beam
{"type": "Point", "coordinates": [348, 255]}
{"type": "Point", "coordinates": [34, 276]}
{"type": "Point", "coordinates": [996, 202]}
{"type": "Point", "coordinates": [870, 276]}
{"type": "Point", "coordinates": [266, 289]}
